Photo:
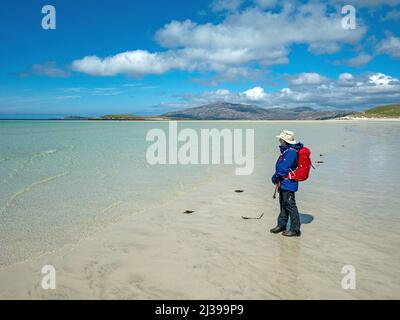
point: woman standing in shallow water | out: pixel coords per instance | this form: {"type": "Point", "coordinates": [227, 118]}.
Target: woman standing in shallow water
{"type": "Point", "coordinates": [286, 164]}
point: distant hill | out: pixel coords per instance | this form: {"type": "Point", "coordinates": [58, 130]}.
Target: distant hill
{"type": "Point", "coordinates": [230, 111]}
{"type": "Point", "coordinates": [115, 117]}
{"type": "Point", "coordinates": [388, 111]}
{"type": "Point", "coordinates": [121, 117]}
{"type": "Point", "coordinates": [73, 118]}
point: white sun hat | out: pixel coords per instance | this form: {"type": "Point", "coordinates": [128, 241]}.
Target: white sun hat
{"type": "Point", "coordinates": [287, 136]}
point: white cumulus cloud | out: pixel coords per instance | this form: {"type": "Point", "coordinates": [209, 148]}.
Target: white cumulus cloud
{"type": "Point", "coordinates": [390, 45]}
{"type": "Point", "coordinates": [346, 92]}
{"type": "Point", "coordinates": [137, 62]}
{"type": "Point", "coordinates": [381, 79]}
{"type": "Point", "coordinates": [255, 94]}
{"type": "Point", "coordinates": [244, 41]}
{"type": "Point", "coordinates": [305, 78]}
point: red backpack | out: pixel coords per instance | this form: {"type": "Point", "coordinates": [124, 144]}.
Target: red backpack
{"type": "Point", "coordinates": [303, 167]}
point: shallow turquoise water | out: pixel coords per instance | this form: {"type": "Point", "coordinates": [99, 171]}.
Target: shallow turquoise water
{"type": "Point", "coordinates": [63, 180]}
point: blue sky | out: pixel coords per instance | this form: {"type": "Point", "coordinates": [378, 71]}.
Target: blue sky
{"type": "Point", "coordinates": [151, 57]}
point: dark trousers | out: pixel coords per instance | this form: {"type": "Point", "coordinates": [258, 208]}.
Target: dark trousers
{"type": "Point", "coordinates": [288, 205]}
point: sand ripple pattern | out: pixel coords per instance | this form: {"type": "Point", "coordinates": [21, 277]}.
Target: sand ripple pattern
{"type": "Point", "coordinates": [28, 189]}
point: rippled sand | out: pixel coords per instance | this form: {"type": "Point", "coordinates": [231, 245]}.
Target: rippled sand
{"type": "Point", "coordinates": [349, 211]}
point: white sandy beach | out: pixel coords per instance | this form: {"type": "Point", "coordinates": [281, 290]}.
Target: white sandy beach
{"type": "Point", "coordinates": [161, 253]}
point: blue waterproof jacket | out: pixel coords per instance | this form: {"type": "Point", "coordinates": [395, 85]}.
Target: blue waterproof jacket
{"type": "Point", "coordinates": [287, 161]}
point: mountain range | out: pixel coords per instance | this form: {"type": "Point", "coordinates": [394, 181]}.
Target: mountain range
{"type": "Point", "coordinates": [231, 111]}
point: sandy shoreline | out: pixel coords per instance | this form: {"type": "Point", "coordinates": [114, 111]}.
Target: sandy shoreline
{"type": "Point", "coordinates": [210, 254]}
{"type": "Point", "coordinates": [366, 119]}
{"type": "Point", "coordinates": [165, 254]}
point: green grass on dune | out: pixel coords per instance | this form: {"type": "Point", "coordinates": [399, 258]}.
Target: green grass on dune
{"type": "Point", "coordinates": [392, 110]}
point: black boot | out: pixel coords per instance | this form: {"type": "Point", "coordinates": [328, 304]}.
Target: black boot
{"type": "Point", "coordinates": [277, 229]}
{"type": "Point", "coordinates": [292, 233]}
